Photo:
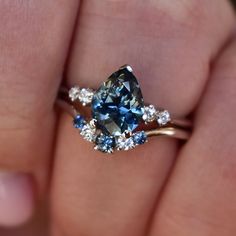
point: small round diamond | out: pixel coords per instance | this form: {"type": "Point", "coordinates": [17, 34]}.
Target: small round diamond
{"type": "Point", "coordinates": [150, 113]}
{"type": "Point", "coordinates": [88, 132]}
{"type": "Point", "coordinates": [140, 138]}
{"type": "Point", "coordinates": [85, 96]}
{"type": "Point", "coordinates": [74, 93]}
{"type": "Point", "coordinates": [105, 143]}
{"type": "Point", "coordinates": [163, 117]}
{"type": "Point", "coordinates": [79, 122]}
{"type": "Point", "coordinates": [124, 143]}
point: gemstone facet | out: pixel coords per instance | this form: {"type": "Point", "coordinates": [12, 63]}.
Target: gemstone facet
{"type": "Point", "coordinates": [118, 104]}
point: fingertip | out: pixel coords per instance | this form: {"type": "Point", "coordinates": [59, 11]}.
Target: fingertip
{"type": "Point", "coordinates": [17, 198]}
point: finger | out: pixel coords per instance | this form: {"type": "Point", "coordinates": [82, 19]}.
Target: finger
{"type": "Point", "coordinates": [200, 196]}
{"type": "Point", "coordinates": [118, 195]}
{"type": "Point", "coordinates": [33, 45]}
{"type": "Point", "coordinates": [37, 226]}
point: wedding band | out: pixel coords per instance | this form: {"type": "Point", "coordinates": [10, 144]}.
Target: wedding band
{"type": "Point", "coordinates": [114, 117]}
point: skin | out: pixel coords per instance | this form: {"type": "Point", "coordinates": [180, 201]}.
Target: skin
{"type": "Point", "coordinates": [184, 60]}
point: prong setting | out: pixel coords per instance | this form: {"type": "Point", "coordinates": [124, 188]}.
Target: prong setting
{"type": "Point", "coordinates": [163, 117]}
{"type": "Point", "coordinates": [125, 143]}
{"type": "Point", "coordinates": [128, 67]}
{"type": "Point", "coordinates": [86, 96]}
{"type": "Point", "coordinates": [74, 93]}
{"type": "Point", "coordinates": [149, 114]}
{"type": "Point", "coordinates": [118, 111]}
{"type": "Point", "coordinates": [83, 95]}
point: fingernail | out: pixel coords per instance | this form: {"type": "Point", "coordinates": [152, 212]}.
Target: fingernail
{"type": "Point", "coordinates": [16, 198]}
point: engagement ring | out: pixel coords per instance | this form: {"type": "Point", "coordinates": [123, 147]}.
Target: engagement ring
{"type": "Point", "coordinates": [115, 117]}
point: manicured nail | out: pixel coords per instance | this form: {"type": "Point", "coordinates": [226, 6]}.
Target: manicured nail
{"type": "Point", "coordinates": [16, 198]}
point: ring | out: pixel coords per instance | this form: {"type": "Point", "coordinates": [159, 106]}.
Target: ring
{"type": "Point", "coordinates": [114, 117]}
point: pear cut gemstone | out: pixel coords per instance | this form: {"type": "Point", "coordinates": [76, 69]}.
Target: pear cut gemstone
{"type": "Point", "coordinates": [118, 104]}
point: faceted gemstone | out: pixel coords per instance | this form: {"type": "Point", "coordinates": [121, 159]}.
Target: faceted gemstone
{"type": "Point", "coordinates": [118, 104]}
{"type": "Point", "coordinates": [85, 96]}
{"type": "Point", "coordinates": [105, 143]}
{"type": "Point", "coordinates": [140, 138]}
{"type": "Point", "coordinates": [163, 117]}
{"type": "Point", "coordinates": [74, 93]}
{"type": "Point", "coordinates": [79, 122]}
{"type": "Point", "coordinates": [124, 143]}
{"type": "Point", "coordinates": [150, 113]}
{"type": "Point", "coordinates": [89, 131]}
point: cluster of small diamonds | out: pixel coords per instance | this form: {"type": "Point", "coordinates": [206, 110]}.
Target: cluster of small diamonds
{"type": "Point", "coordinates": [107, 143]}
{"type": "Point", "coordinates": [87, 130]}
{"type": "Point", "coordinates": [84, 95]}
{"type": "Point", "coordinates": [151, 114]}
{"type": "Point", "coordinates": [126, 143]}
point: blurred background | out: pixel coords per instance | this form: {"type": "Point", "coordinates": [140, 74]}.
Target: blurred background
{"type": "Point", "coordinates": [234, 2]}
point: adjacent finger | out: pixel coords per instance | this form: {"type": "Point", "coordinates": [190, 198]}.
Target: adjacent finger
{"type": "Point", "coordinates": [200, 196]}
{"type": "Point", "coordinates": [33, 43]}
{"type": "Point", "coordinates": [170, 50]}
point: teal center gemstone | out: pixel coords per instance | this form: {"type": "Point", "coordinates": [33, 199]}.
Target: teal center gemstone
{"type": "Point", "coordinates": [118, 104]}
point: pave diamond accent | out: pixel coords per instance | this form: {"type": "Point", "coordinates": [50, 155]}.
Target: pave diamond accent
{"type": "Point", "coordinates": [150, 113]}
{"type": "Point", "coordinates": [163, 117]}
{"type": "Point", "coordinates": [124, 143]}
{"type": "Point", "coordinates": [105, 143]}
{"type": "Point", "coordinates": [85, 96]}
{"type": "Point", "coordinates": [74, 93]}
{"type": "Point", "coordinates": [118, 104]}
{"type": "Point", "coordinates": [140, 138]}
{"type": "Point", "coordinates": [79, 122]}
{"type": "Point", "coordinates": [89, 131]}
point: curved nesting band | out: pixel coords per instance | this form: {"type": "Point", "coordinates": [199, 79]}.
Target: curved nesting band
{"type": "Point", "coordinates": [115, 117]}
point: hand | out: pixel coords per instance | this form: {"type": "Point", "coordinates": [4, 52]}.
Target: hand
{"type": "Point", "coordinates": [185, 50]}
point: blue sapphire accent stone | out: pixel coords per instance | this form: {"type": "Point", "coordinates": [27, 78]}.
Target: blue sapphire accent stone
{"type": "Point", "coordinates": [140, 138]}
{"type": "Point", "coordinates": [118, 104]}
{"type": "Point", "coordinates": [105, 143]}
{"type": "Point", "coordinates": [79, 122]}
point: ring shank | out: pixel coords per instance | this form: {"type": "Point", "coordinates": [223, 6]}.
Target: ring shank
{"type": "Point", "coordinates": [172, 132]}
